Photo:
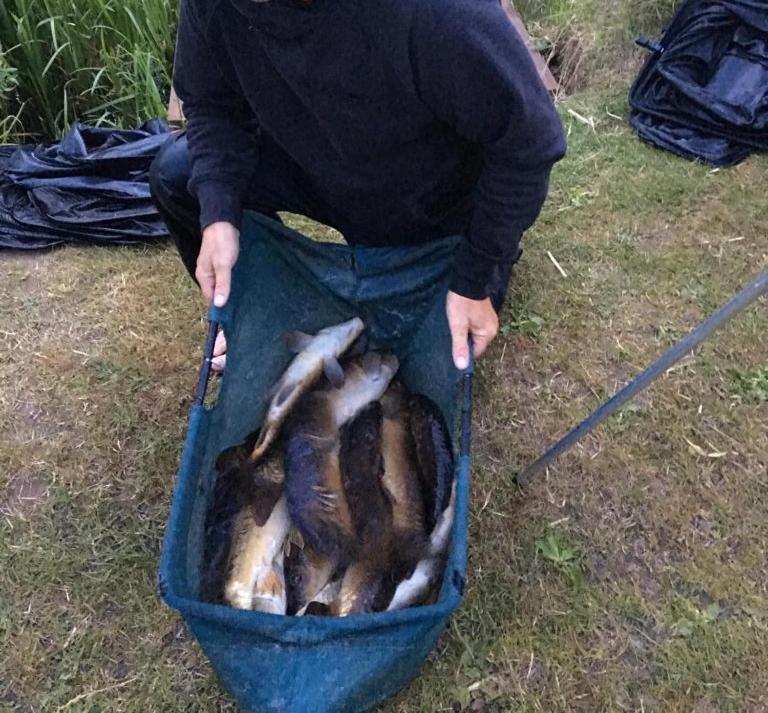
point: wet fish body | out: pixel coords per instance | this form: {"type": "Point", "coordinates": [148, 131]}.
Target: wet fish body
{"type": "Point", "coordinates": [316, 498]}
{"type": "Point", "coordinates": [431, 460]}
{"type": "Point", "coordinates": [256, 562]}
{"type": "Point", "coordinates": [316, 355]}
{"type": "Point", "coordinates": [269, 592]}
{"type": "Point", "coordinates": [321, 604]}
{"type": "Point", "coordinates": [240, 487]}
{"type": "Point", "coordinates": [435, 456]}
{"type": "Point", "coordinates": [401, 477]}
{"type": "Point", "coordinates": [365, 381]}
{"type": "Point", "coordinates": [365, 586]}
{"type": "Point", "coordinates": [362, 471]}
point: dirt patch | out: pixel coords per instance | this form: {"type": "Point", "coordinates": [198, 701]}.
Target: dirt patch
{"type": "Point", "coordinates": [177, 638]}
{"type": "Point", "coordinates": [532, 675]}
{"type": "Point", "coordinates": [23, 495]}
{"type": "Point", "coordinates": [121, 668]}
{"type": "Point", "coordinates": [657, 235]}
{"type": "Point", "coordinates": [28, 410]}
{"type": "Point", "coordinates": [565, 58]}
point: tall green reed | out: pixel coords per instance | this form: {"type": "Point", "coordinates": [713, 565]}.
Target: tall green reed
{"type": "Point", "coordinates": [106, 62]}
{"type": "Point", "coordinates": [9, 121]}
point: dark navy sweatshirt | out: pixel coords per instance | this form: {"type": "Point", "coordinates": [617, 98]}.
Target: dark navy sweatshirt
{"type": "Point", "coordinates": [412, 119]}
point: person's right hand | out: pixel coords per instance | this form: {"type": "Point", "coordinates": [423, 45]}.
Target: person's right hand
{"type": "Point", "coordinates": [218, 254]}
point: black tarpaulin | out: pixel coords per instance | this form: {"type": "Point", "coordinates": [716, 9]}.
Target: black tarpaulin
{"type": "Point", "coordinates": [92, 186]}
{"type": "Point", "coordinates": [703, 93]}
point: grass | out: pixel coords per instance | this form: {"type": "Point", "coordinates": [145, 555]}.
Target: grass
{"type": "Point", "coordinates": [8, 120]}
{"type": "Point", "coordinates": [105, 62]}
{"type": "Point", "coordinates": [629, 577]}
{"type": "Point", "coordinates": [750, 386]}
{"type": "Point", "coordinates": [592, 41]}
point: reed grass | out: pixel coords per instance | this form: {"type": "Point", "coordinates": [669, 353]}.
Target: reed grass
{"type": "Point", "coordinates": [105, 62]}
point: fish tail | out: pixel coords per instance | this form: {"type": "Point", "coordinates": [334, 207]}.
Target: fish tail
{"type": "Point", "coordinates": [415, 588]}
{"type": "Point", "coordinates": [269, 593]}
{"type": "Point", "coordinates": [265, 439]}
{"type": "Point", "coordinates": [438, 539]}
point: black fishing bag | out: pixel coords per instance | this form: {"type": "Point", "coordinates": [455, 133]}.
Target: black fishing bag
{"type": "Point", "coordinates": [703, 92]}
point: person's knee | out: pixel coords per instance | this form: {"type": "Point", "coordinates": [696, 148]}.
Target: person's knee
{"type": "Point", "coordinates": [169, 171]}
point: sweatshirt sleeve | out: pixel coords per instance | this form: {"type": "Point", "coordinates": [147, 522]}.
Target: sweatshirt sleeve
{"type": "Point", "coordinates": [220, 125]}
{"type": "Point", "coordinates": [472, 69]}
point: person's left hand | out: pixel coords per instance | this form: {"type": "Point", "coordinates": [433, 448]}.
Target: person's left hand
{"type": "Point", "coordinates": [470, 317]}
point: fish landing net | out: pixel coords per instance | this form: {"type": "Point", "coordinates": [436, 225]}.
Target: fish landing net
{"type": "Point", "coordinates": [283, 281]}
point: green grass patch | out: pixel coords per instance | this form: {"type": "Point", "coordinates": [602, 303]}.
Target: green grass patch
{"type": "Point", "coordinates": [749, 386]}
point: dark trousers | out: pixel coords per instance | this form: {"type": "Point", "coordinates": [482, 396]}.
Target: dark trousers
{"type": "Point", "coordinates": [279, 185]}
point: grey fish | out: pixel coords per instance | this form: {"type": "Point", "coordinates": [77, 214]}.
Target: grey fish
{"type": "Point", "coordinates": [316, 355]}
{"type": "Point", "coordinates": [317, 502]}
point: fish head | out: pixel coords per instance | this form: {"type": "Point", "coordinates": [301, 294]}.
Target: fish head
{"type": "Point", "coordinates": [342, 335]}
{"type": "Point", "coordinates": [365, 380]}
{"type": "Point", "coordinates": [379, 368]}
{"type": "Point", "coordinates": [307, 573]}
{"type": "Point", "coordinates": [295, 579]}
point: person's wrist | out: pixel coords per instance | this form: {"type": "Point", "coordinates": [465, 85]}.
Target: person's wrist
{"type": "Point", "coordinates": [220, 229]}
{"type": "Point", "coordinates": [220, 225]}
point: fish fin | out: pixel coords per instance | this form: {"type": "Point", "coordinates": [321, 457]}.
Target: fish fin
{"type": "Point", "coordinates": [297, 341]}
{"type": "Point", "coordinates": [261, 446]}
{"type": "Point", "coordinates": [371, 363]}
{"type": "Point", "coordinates": [333, 372]}
{"type": "Point", "coordinates": [263, 498]}
{"type": "Point", "coordinates": [325, 498]}
{"type": "Point", "coordinates": [295, 538]}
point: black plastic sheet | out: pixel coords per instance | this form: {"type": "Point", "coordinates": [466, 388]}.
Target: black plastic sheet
{"type": "Point", "coordinates": [703, 93]}
{"type": "Point", "coordinates": [92, 186]}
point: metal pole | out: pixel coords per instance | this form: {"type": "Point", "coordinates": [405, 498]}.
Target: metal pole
{"type": "Point", "coordinates": [466, 406]}
{"type": "Point", "coordinates": [205, 370]}
{"type": "Point", "coordinates": [740, 302]}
